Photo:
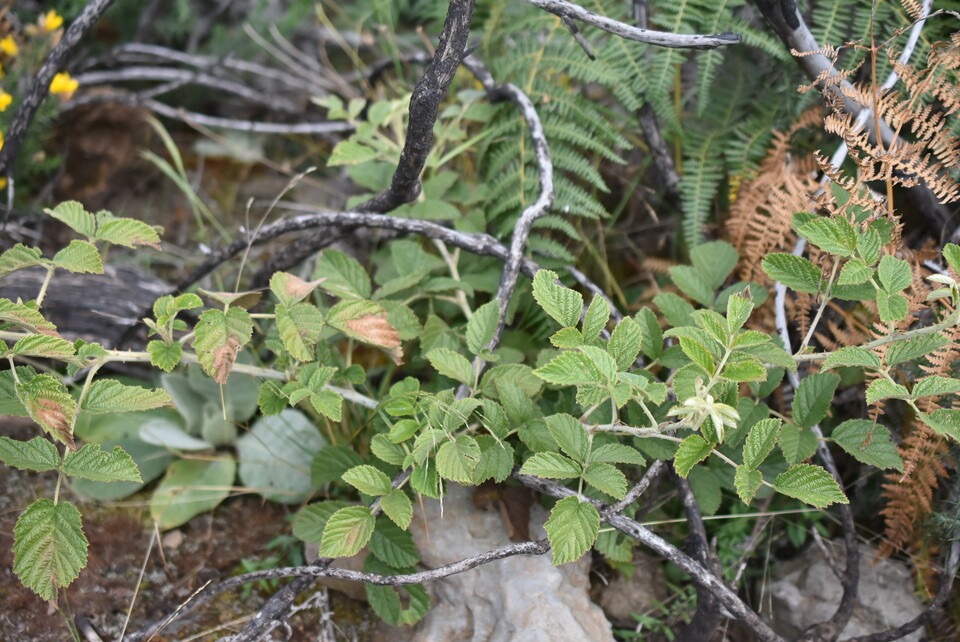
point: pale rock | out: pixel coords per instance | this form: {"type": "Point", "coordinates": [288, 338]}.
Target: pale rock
{"type": "Point", "coordinates": [518, 599]}
{"type": "Point", "coordinates": [806, 591]}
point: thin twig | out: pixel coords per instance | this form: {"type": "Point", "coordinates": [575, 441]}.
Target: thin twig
{"type": "Point", "coordinates": [424, 108]}
{"type": "Point", "coordinates": [562, 8]}
{"type": "Point", "coordinates": [708, 615]}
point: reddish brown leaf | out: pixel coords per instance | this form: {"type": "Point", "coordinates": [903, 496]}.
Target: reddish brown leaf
{"type": "Point", "coordinates": [223, 359]}
{"type": "Point", "coordinates": [376, 330]}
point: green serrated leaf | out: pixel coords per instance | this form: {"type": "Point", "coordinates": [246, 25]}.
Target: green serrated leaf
{"type": "Point", "coordinates": [562, 304]}
{"type": "Point", "coordinates": [328, 403]}
{"type": "Point", "coordinates": [458, 458]}
{"type": "Point", "coordinates": [219, 338]}
{"type": "Point", "coordinates": [90, 462]}
{"type": "Point", "coordinates": [854, 272]}
{"type": "Point", "coordinates": [299, 326]}
{"type": "Point", "coordinates": [368, 480]}
{"type": "Point", "coordinates": [676, 310]}
{"type": "Point", "coordinates": [747, 482]}
{"type": "Point", "coordinates": [810, 484]}
{"type": "Point", "coordinates": [165, 356]}
{"type": "Point", "coordinates": [885, 389]}
{"type": "Point", "coordinates": [310, 521]}
{"type": "Point", "coordinates": [617, 454]}
{"type": "Point", "coordinates": [692, 450]}
{"type": "Point", "coordinates": [342, 275]}
{"type": "Point", "coordinates": [625, 344]}
{"type": "Point", "coordinates": [909, 349]}
{"type": "Point", "coordinates": [37, 454]}
{"type": "Point", "coordinates": [127, 232]}
{"type": "Point", "coordinates": [496, 460]}
{"type": "Point", "coordinates": [714, 261]}
{"type": "Point", "coordinates": [23, 316]}
{"type": "Point", "coordinates": [73, 215]}
{"type": "Point", "coordinates": [868, 442]}
{"type": "Point", "coordinates": [771, 354]}
{"type": "Point", "coordinates": [795, 272]}
{"type": "Point", "coordinates": [894, 274]}
{"type": "Point", "coordinates": [892, 307]}
{"type": "Point", "coordinates": [108, 396]}
{"type": "Point", "coordinates": [944, 421]}
{"type": "Point", "coordinates": [398, 507]}
{"type": "Point", "coordinates": [596, 317]}
{"type": "Point", "coordinates": [396, 605]}
{"type": "Point", "coordinates": [738, 311]}
{"type": "Point", "coordinates": [571, 368]}
{"type": "Point", "coordinates": [450, 364]}
{"type": "Point", "coordinates": [852, 356]}
{"type": "Point", "coordinates": [570, 435]}
{"type": "Point", "coordinates": [698, 353]}
{"type": "Point", "coordinates": [797, 444]}
{"type": "Point", "coordinates": [391, 543]}
{"type": "Point", "coordinates": [606, 478]}
{"type": "Point", "coordinates": [706, 489]}
{"type": "Point", "coordinates": [869, 245]}
{"type": "Point", "coordinates": [550, 465]}
{"type": "Point", "coordinates": [692, 283]}
{"type": "Point", "coordinates": [481, 326]}
{"type": "Point", "coordinates": [49, 547]}
{"type": "Point", "coordinates": [44, 346]}
{"type": "Point", "coordinates": [568, 338]}
{"type": "Point", "coordinates": [652, 344]}
{"type": "Point", "coordinates": [331, 462]}
{"type": "Point", "coordinates": [347, 531]}
{"type": "Point", "coordinates": [951, 252]}
{"type": "Point", "coordinates": [80, 257]}
{"type": "Point", "coordinates": [713, 324]}
{"type": "Point", "coordinates": [20, 257]}
{"type": "Point", "coordinates": [744, 368]}
{"type": "Point", "coordinates": [813, 398]}
{"type": "Point", "coordinates": [833, 235]}
{"type": "Point", "coordinates": [270, 398]}
{"type": "Point", "coordinates": [572, 529]}
{"type": "Point", "coordinates": [931, 386]}
{"type": "Point", "coordinates": [760, 441]}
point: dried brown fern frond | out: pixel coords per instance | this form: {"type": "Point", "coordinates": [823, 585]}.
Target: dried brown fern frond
{"type": "Point", "coordinates": [909, 496]}
{"type": "Point", "coordinates": [761, 216]}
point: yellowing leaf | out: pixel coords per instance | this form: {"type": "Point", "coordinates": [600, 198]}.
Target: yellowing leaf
{"type": "Point", "coordinates": [49, 404]}
{"type": "Point", "coordinates": [219, 338]}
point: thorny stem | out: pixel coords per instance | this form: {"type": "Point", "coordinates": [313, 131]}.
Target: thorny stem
{"type": "Point", "coordinates": [951, 320]}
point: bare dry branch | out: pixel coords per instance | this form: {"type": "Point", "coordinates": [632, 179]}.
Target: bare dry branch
{"type": "Point", "coordinates": [565, 9]}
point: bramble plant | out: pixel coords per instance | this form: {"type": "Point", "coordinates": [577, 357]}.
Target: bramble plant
{"type": "Point", "coordinates": [596, 402]}
{"type": "Point", "coordinates": [313, 387]}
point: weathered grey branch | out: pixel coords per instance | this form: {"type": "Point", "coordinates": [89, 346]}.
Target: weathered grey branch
{"type": "Point", "coordinates": [700, 575]}
{"type": "Point", "coordinates": [562, 8]}
{"type": "Point", "coordinates": [424, 107]}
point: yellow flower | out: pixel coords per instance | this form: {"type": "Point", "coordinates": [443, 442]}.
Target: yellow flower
{"type": "Point", "coordinates": [5, 100]}
{"type": "Point", "coordinates": [3, 182]}
{"type": "Point", "coordinates": [50, 21]}
{"type": "Point", "coordinates": [63, 84]}
{"type": "Point", "coordinates": [9, 46]}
